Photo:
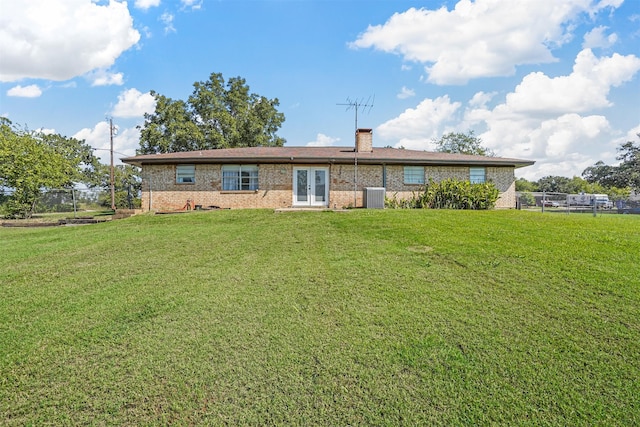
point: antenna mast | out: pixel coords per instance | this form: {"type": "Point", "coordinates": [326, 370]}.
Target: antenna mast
{"type": "Point", "coordinates": [356, 105]}
{"type": "Point", "coordinates": [359, 104]}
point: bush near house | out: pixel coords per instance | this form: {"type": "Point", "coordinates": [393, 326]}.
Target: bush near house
{"type": "Point", "coordinates": [451, 194]}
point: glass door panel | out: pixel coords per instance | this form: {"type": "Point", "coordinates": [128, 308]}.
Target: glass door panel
{"type": "Point", "coordinates": [302, 184]}
{"type": "Point", "coordinates": [319, 194]}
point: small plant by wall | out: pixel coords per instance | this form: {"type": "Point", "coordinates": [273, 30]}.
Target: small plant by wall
{"type": "Point", "coordinates": [450, 194]}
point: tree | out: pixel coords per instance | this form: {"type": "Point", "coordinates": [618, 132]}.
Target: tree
{"type": "Point", "coordinates": [554, 184]}
{"type": "Point", "coordinates": [629, 168]}
{"type": "Point", "coordinates": [33, 161]}
{"type": "Point", "coordinates": [462, 143]}
{"type": "Point", "coordinates": [79, 154]}
{"type": "Point", "coordinates": [127, 186]}
{"type": "Point", "coordinates": [602, 174]}
{"type": "Point", "coordinates": [626, 174]}
{"type": "Point", "coordinates": [218, 114]}
{"type": "Point", "coordinates": [524, 185]}
{"type": "Point", "coordinates": [27, 165]}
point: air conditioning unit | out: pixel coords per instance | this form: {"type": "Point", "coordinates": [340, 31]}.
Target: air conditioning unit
{"type": "Point", "coordinates": [374, 197]}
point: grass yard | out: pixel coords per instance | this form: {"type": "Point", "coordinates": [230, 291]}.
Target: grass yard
{"type": "Point", "coordinates": [323, 318]}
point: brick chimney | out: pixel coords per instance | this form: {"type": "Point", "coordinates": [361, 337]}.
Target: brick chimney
{"type": "Point", "coordinates": [364, 140]}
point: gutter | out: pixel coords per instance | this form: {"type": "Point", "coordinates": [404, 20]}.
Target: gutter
{"type": "Point", "coordinates": [322, 160]}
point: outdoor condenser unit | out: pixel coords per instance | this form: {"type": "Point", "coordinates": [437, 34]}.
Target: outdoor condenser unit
{"type": "Point", "coordinates": [374, 197]}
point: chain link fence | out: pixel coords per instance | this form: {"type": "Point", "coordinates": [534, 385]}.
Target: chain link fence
{"type": "Point", "coordinates": [595, 204]}
{"type": "Point", "coordinates": [77, 202]}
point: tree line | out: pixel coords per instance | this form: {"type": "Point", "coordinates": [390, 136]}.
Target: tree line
{"type": "Point", "coordinates": [618, 181]}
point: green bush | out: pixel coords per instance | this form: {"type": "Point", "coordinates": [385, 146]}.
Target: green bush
{"type": "Point", "coordinates": [450, 194]}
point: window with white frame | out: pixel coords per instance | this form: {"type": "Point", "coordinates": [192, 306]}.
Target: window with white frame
{"type": "Point", "coordinates": [477, 175]}
{"type": "Point", "coordinates": [414, 175]}
{"type": "Point", "coordinates": [239, 177]}
{"type": "Point", "coordinates": [185, 174]}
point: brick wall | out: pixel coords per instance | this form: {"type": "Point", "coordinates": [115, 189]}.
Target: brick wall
{"type": "Point", "coordinates": [502, 177]}
{"type": "Point", "coordinates": [161, 192]}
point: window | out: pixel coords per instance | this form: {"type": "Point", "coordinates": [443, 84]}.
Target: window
{"type": "Point", "coordinates": [414, 175]}
{"type": "Point", "coordinates": [185, 174]}
{"type": "Point", "coordinates": [239, 177]}
{"type": "Point", "coordinates": [477, 175]}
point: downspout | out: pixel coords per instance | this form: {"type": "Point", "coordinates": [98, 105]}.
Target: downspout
{"type": "Point", "coordinates": [150, 194]}
{"type": "Point", "coordinates": [355, 180]}
{"type": "Point", "coordinates": [384, 175]}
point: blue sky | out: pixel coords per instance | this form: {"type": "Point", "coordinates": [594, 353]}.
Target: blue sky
{"type": "Point", "coordinates": [555, 81]}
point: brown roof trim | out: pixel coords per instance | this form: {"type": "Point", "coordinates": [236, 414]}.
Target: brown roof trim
{"type": "Point", "coordinates": [331, 155]}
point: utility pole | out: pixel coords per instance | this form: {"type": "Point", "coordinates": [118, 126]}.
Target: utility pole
{"type": "Point", "coordinates": [111, 173]}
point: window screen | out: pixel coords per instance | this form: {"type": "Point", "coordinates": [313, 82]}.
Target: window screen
{"type": "Point", "coordinates": [477, 175]}
{"type": "Point", "coordinates": [239, 177]}
{"type": "Point", "coordinates": [185, 174]}
{"type": "Point", "coordinates": [414, 175]}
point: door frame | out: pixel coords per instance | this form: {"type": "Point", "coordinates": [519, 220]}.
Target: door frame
{"type": "Point", "coordinates": [311, 186]}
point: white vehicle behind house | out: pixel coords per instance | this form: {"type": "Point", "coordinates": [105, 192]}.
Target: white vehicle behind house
{"type": "Point", "coordinates": [601, 200]}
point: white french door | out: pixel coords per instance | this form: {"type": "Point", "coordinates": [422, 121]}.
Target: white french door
{"type": "Point", "coordinates": [310, 186]}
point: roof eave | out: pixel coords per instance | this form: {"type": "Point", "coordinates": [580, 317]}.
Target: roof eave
{"type": "Point", "coordinates": [517, 163]}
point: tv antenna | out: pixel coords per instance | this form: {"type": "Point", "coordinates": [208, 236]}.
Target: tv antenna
{"type": "Point", "coordinates": [359, 104]}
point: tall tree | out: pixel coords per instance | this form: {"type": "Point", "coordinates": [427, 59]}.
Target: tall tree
{"type": "Point", "coordinates": [32, 161]}
{"type": "Point", "coordinates": [468, 143]}
{"type": "Point", "coordinates": [629, 167]}
{"type": "Point", "coordinates": [26, 167]}
{"type": "Point", "coordinates": [218, 114]}
{"type": "Point", "coordinates": [626, 174]}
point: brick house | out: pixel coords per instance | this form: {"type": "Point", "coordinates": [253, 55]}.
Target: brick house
{"type": "Point", "coordinates": [334, 177]}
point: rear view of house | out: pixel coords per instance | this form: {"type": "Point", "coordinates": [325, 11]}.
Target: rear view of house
{"type": "Point", "coordinates": [333, 177]}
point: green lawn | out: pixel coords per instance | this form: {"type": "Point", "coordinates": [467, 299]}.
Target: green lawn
{"type": "Point", "coordinates": [323, 318]}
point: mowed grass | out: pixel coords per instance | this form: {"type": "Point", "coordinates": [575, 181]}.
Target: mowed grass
{"type": "Point", "coordinates": [323, 318]}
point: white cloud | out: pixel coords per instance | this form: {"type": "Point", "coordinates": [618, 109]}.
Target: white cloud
{"type": "Point", "coordinates": [133, 103]}
{"type": "Point", "coordinates": [547, 119]}
{"type": "Point", "coordinates": [597, 39]}
{"type": "Point", "coordinates": [193, 4]}
{"type": "Point", "coordinates": [323, 140]}
{"type": "Point", "coordinates": [167, 20]}
{"type": "Point", "coordinates": [31, 91]}
{"type": "Point", "coordinates": [406, 93]}
{"type": "Point", "coordinates": [557, 122]}
{"type": "Point", "coordinates": [125, 141]}
{"type": "Point", "coordinates": [146, 4]}
{"type": "Point", "coordinates": [480, 99]}
{"type": "Point", "coordinates": [105, 78]}
{"type": "Point", "coordinates": [61, 39]}
{"type": "Point", "coordinates": [416, 127]}
{"type": "Point", "coordinates": [480, 39]}
{"type": "Point", "coordinates": [586, 88]}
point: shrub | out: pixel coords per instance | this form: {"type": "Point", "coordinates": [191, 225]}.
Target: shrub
{"type": "Point", "coordinates": [450, 194]}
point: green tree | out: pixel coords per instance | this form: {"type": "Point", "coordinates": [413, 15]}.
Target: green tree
{"type": "Point", "coordinates": [602, 174]}
{"type": "Point", "coordinates": [524, 185]}
{"type": "Point", "coordinates": [625, 175]}
{"type": "Point", "coordinates": [554, 184]}
{"type": "Point", "coordinates": [629, 167]}
{"type": "Point", "coordinates": [468, 143]}
{"type": "Point", "coordinates": [79, 154]}
{"type": "Point", "coordinates": [32, 161]}
{"type": "Point", "coordinates": [218, 114]}
{"type": "Point", "coordinates": [127, 186]}
{"type": "Point", "coordinates": [27, 165]}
